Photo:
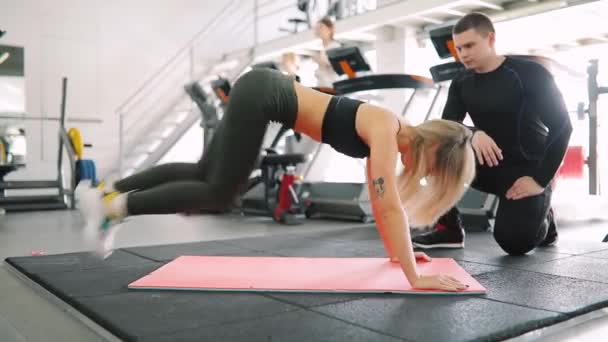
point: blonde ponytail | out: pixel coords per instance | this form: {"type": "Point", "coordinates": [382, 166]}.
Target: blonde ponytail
{"type": "Point", "coordinates": [428, 191]}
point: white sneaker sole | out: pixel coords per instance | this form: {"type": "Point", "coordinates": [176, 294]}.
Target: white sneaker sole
{"type": "Point", "coordinates": [440, 245]}
{"type": "Point", "coordinates": [105, 242]}
{"type": "Point", "coordinates": [91, 208]}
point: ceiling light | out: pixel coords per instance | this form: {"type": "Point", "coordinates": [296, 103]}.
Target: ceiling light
{"type": "Point", "coordinates": [486, 4]}
{"type": "Point", "coordinates": [453, 12]}
{"type": "Point", "coordinates": [429, 20]}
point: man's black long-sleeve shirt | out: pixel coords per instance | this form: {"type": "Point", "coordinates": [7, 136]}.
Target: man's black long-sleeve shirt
{"type": "Point", "coordinates": [520, 107]}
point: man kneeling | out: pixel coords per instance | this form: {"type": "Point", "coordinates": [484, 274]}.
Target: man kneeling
{"type": "Point", "coordinates": [521, 133]}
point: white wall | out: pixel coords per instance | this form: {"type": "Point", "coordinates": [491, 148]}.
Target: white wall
{"type": "Point", "coordinates": [107, 49]}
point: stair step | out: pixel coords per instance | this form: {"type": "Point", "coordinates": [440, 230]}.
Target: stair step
{"type": "Point", "coordinates": [26, 203]}
{"type": "Point", "coordinates": [175, 119]}
{"type": "Point", "coordinates": [160, 133]}
{"type": "Point", "coordinates": [11, 185]}
{"type": "Point", "coordinates": [147, 147]}
{"type": "Point", "coordinates": [136, 160]}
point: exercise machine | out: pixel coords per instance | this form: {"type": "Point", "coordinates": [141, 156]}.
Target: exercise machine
{"type": "Point", "coordinates": [64, 198]}
{"type": "Point", "coordinates": [348, 61]}
{"type": "Point", "coordinates": [277, 192]}
{"type": "Point", "coordinates": [209, 116]}
{"type": "Point", "coordinates": [221, 88]}
{"type": "Point", "coordinates": [306, 7]}
{"type": "Point", "coordinates": [594, 91]}
{"type": "Point", "coordinates": [575, 160]}
{"type": "Point", "coordinates": [313, 9]}
{"type": "Point", "coordinates": [348, 200]}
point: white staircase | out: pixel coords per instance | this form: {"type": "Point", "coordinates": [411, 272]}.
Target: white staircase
{"type": "Point", "coordinates": [154, 118]}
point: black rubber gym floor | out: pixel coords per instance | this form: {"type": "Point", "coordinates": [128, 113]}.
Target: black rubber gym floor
{"type": "Point", "coordinates": [549, 286]}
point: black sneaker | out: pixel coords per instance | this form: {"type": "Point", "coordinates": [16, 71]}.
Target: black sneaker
{"type": "Point", "coordinates": [448, 233]}
{"type": "Point", "coordinates": [552, 235]}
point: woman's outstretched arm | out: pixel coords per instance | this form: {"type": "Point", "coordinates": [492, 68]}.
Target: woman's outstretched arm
{"type": "Point", "coordinates": [390, 216]}
{"type": "Point", "coordinates": [389, 213]}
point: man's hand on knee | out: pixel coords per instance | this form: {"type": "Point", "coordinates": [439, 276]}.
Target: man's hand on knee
{"type": "Point", "coordinates": [524, 187]}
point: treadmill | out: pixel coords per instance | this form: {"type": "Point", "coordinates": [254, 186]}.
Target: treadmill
{"type": "Point", "coordinates": [349, 61]}
{"type": "Point", "coordinates": [350, 201]}
{"type": "Point", "coordinates": [64, 197]}
{"type": "Point", "coordinates": [209, 116]}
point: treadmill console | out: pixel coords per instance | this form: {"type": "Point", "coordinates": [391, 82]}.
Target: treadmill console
{"type": "Point", "coordinates": [443, 42]}
{"type": "Point", "coordinates": [349, 60]}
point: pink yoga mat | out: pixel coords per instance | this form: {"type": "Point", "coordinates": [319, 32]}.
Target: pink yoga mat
{"type": "Point", "coordinates": [295, 274]}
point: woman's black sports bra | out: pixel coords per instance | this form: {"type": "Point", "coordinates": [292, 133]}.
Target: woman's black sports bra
{"type": "Point", "coordinates": [339, 130]}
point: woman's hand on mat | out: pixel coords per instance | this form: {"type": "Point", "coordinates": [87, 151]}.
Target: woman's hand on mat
{"type": "Point", "coordinates": [524, 187]}
{"type": "Point", "coordinates": [439, 282]}
{"type": "Point", "coordinates": [486, 149]}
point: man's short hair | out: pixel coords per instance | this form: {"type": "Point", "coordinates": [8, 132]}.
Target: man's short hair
{"type": "Point", "coordinates": [477, 21]}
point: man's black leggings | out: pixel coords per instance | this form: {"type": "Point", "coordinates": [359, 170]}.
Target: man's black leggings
{"type": "Point", "coordinates": [519, 226]}
{"type": "Point", "coordinates": [258, 97]}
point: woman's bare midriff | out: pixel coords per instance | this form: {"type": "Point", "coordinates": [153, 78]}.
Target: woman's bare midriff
{"type": "Point", "coordinates": [311, 111]}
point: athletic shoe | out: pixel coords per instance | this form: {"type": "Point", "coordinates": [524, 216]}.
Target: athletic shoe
{"type": "Point", "coordinates": [447, 233]}
{"type": "Point", "coordinates": [552, 235]}
{"type": "Point", "coordinates": [105, 240]}
{"type": "Point", "coordinates": [99, 230]}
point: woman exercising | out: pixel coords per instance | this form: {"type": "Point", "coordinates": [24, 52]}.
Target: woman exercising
{"type": "Point", "coordinates": [437, 157]}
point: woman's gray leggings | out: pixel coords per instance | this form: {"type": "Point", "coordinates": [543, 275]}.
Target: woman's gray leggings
{"type": "Point", "coordinates": [258, 97]}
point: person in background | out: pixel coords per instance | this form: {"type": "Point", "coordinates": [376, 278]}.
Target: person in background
{"type": "Point", "coordinates": [290, 64]}
{"type": "Point", "coordinates": [325, 74]}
